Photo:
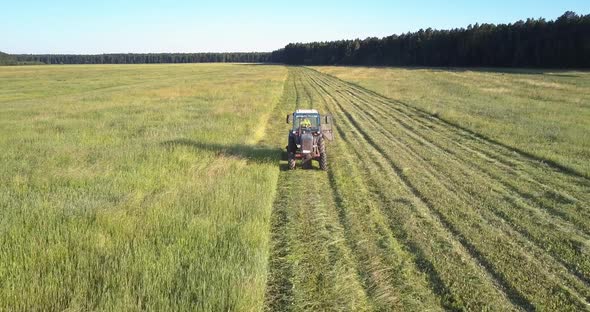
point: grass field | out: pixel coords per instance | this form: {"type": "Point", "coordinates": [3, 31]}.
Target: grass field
{"type": "Point", "coordinates": [164, 187]}
{"type": "Point", "coordinates": [543, 113]}
{"type": "Point", "coordinates": [135, 187]}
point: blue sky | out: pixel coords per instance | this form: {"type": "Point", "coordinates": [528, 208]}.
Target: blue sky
{"type": "Point", "coordinates": [111, 26]}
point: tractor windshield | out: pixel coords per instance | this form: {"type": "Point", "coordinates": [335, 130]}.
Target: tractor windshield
{"type": "Point", "coordinates": [311, 121]}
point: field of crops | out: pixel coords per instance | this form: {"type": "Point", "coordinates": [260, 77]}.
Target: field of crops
{"type": "Point", "coordinates": [164, 187]}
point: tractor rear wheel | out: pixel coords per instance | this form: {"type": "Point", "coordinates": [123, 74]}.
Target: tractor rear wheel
{"type": "Point", "coordinates": [292, 161]}
{"type": "Point", "coordinates": [323, 155]}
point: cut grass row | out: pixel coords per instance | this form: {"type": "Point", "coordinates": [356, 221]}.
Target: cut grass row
{"type": "Point", "coordinates": [543, 113]}
{"type": "Point", "coordinates": [437, 253]}
{"type": "Point", "coordinates": [311, 266]}
{"type": "Point", "coordinates": [333, 249]}
{"type": "Point", "coordinates": [475, 224]}
{"type": "Point", "coordinates": [502, 258]}
{"type": "Point", "coordinates": [548, 229]}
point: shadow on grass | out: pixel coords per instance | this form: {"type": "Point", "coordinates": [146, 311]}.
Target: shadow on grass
{"type": "Point", "coordinates": [254, 153]}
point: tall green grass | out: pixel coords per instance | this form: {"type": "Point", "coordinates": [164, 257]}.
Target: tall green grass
{"type": "Point", "coordinates": [543, 113]}
{"type": "Point", "coordinates": [135, 187]}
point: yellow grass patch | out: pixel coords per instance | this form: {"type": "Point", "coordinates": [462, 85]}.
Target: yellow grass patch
{"type": "Point", "coordinates": [544, 84]}
{"type": "Point", "coordinates": [498, 90]}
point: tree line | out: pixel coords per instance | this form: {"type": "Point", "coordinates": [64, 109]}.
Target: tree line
{"type": "Point", "coordinates": [6, 59]}
{"type": "Point", "coordinates": [564, 42]}
{"type": "Point", "coordinates": [146, 58]}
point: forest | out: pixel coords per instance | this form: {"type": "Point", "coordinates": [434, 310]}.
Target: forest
{"type": "Point", "coordinates": [146, 58]}
{"type": "Point", "coordinates": [564, 42]}
{"type": "Point", "coordinates": [6, 59]}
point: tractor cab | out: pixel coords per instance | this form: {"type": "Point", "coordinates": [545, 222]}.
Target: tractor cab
{"type": "Point", "coordinates": [306, 121]}
{"type": "Point", "coordinates": [310, 120]}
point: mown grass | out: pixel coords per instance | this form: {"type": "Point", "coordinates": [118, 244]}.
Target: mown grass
{"type": "Point", "coordinates": [432, 216]}
{"type": "Point", "coordinates": [544, 113]}
{"type": "Point", "coordinates": [311, 265]}
{"type": "Point", "coordinates": [458, 180]}
{"type": "Point", "coordinates": [135, 187]}
{"type": "Point", "coordinates": [332, 246]}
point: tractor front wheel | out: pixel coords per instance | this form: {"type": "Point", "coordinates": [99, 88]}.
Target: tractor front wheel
{"type": "Point", "coordinates": [292, 161]}
{"type": "Point", "coordinates": [323, 155]}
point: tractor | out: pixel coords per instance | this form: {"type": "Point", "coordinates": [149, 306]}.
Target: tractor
{"type": "Point", "coordinates": [307, 138]}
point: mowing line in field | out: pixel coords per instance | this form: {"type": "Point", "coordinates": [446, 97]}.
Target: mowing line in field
{"type": "Point", "coordinates": [472, 143]}
{"type": "Point", "coordinates": [539, 234]}
{"type": "Point", "coordinates": [373, 127]}
{"type": "Point", "coordinates": [311, 265]}
{"type": "Point", "coordinates": [461, 157]}
{"type": "Point", "coordinates": [512, 151]}
{"type": "Point", "coordinates": [546, 231]}
{"type": "Point", "coordinates": [394, 281]}
{"type": "Point", "coordinates": [449, 298]}
{"type": "Point", "coordinates": [580, 261]}
{"type": "Point", "coordinates": [537, 254]}
{"type": "Point", "coordinates": [514, 163]}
